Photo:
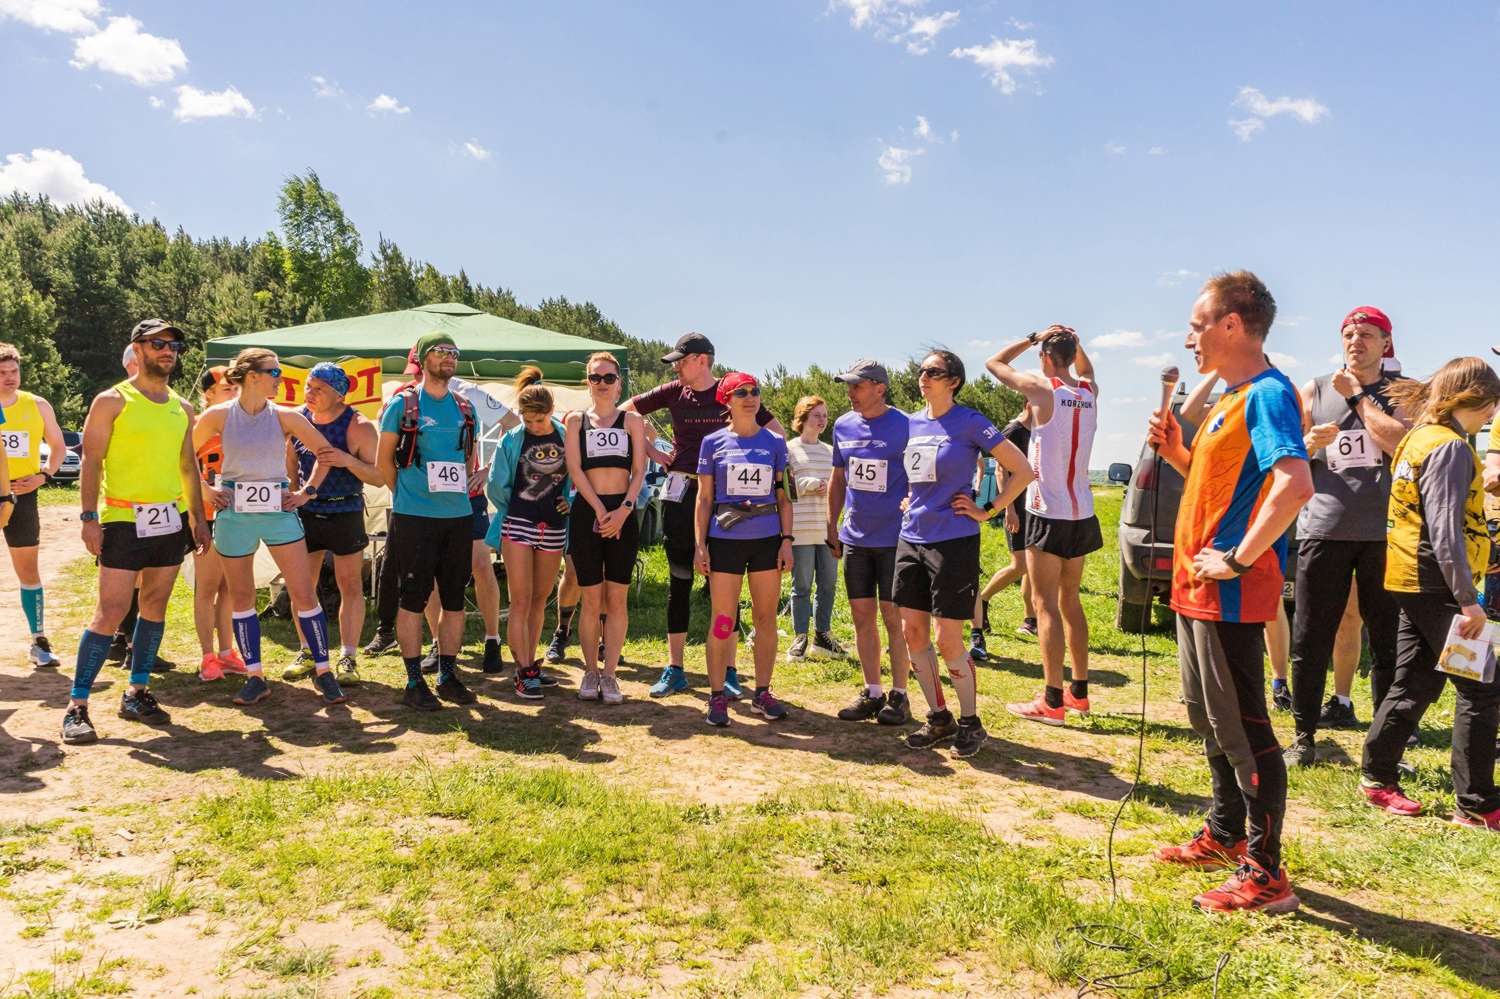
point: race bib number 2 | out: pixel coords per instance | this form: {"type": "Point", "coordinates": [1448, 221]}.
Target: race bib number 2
{"type": "Point", "coordinates": [257, 497]}
{"type": "Point", "coordinates": [17, 443]}
{"type": "Point", "coordinates": [1352, 449]}
{"type": "Point", "coordinates": [446, 477]}
{"type": "Point", "coordinates": [867, 475]}
{"type": "Point", "coordinates": [921, 462]}
{"type": "Point", "coordinates": [152, 520]}
{"type": "Point", "coordinates": [748, 479]}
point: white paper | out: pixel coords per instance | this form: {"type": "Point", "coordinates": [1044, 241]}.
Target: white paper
{"type": "Point", "coordinates": [1473, 658]}
{"type": "Point", "coordinates": [257, 497]}
{"type": "Point", "coordinates": [867, 475]}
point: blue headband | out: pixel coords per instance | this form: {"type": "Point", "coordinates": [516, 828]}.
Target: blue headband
{"type": "Point", "coordinates": [332, 375]}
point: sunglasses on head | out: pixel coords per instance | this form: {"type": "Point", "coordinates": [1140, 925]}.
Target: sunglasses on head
{"type": "Point", "coordinates": [934, 373]}
{"type": "Point", "coordinates": [273, 372]}
{"type": "Point", "coordinates": [746, 391]}
{"type": "Point", "coordinates": [158, 343]}
{"type": "Point", "coordinates": [608, 378]}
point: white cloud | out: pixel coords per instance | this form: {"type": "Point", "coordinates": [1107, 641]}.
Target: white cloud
{"type": "Point", "coordinates": [924, 130]}
{"type": "Point", "coordinates": [385, 102]}
{"type": "Point", "coordinates": [1119, 338]}
{"type": "Point", "coordinates": [1002, 58]}
{"type": "Point", "coordinates": [124, 49]}
{"type": "Point", "coordinates": [1246, 128]}
{"type": "Point", "coordinates": [980, 344]}
{"type": "Point", "coordinates": [1171, 279]}
{"type": "Point", "coordinates": [895, 163]}
{"type": "Point", "coordinates": [474, 149]}
{"type": "Point", "coordinates": [900, 21]}
{"type": "Point", "coordinates": [72, 16]}
{"type": "Point", "coordinates": [56, 175]}
{"type": "Point", "coordinates": [1021, 25]}
{"type": "Point", "coordinates": [923, 30]}
{"type": "Point", "coordinates": [953, 135]}
{"type": "Point", "coordinates": [1157, 151]}
{"type": "Point", "coordinates": [155, 101]}
{"type": "Point", "coordinates": [193, 104]}
{"type": "Point", "coordinates": [1283, 360]}
{"type": "Point", "coordinates": [1154, 360]}
{"type": "Point", "coordinates": [324, 87]}
{"type": "Point", "coordinates": [1308, 110]}
{"type": "Point", "coordinates": [1114, 149]}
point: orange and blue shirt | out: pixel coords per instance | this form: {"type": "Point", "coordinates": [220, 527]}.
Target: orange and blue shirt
{"type": "Point", "coordinates": [1253, 426]}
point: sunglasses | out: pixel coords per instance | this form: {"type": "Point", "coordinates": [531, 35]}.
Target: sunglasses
{"type": "Point", "coordinates": [444, 351]}
{"type": "Point", "coordinates": [745, 392]}
{"type": "Point", "coordinates": [604, 379]}
{"type": "Point", "coordinates": [934, 373]}
{"type": "Point", "coordinates": [273, 372]}
{"type": "Point", "coordinates": [157, 343]}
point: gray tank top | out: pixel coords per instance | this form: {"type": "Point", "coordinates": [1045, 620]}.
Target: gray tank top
{"type": "Point", "coordinates": [1349, 504]}
{"type": "Point", "coordinates": [254, 446]}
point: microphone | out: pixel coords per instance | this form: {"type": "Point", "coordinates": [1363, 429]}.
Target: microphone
{"type": "Point", "coordinates": [1168, 386]}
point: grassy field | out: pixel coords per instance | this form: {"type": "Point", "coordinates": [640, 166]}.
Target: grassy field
{"type": "Point", "coordinates": [568, 849]}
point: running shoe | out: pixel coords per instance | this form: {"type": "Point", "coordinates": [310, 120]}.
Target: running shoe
{"type": "Point", "coordinates": [1038, 711]}
{"type": "Point", "coordinates": [381, 642]}
{"type": "Point", "coordinates": [1204, 850]}
{"type": "Point", "coordinates": [346, 671]}
{"type": "Point", "coordinates": [528, 682]}
{"type": "Point", "coordinates": [141, 706]}
{"type": "Point", "coordinates": [119, 648]}
{"type": "Point", "coordinates": [970, 736]}
{"type": "Point", "coordinates": [609, 690]}
{"type": "Point", "coordinates": [1251, 888]}
{"type": "Point", "coordinates": [897, 710]}
{"type": "Point", "coordinates": [210, 669]}
{"type": "Point", "coordinates": [937, 729]}
{"type": "Point", "coordinates": [1477, 820]}
{"type": "Point", "coordinates": [718, 710]}
{"type": "Point", "coordinates": [864, 706]}
{"type": "Point", "coordinates": [557, 649]}
{"type": "Point", "coordinates": [40, 653]}
{"type": "Point", "coordinates": [230, 662]}
{"type": "Point", "coordinates": [430, 660]}
{"type": "Point", "coordinates": [328, 688]}
{"type": "Point", "coordinates": [158, 665]}
{"type": "Point", "coordinates": [672, 681]}
{"type": "Point", "coordinates": [766, 705]}
{"type": "Point", "coordinates": [1388, 798]}
{"type": "Point", "coordinates": [1027, 628]}
{"type": "Point", "coordinates": [1303, 752]}
{"type": "Point", "coordinates": [453, 689]}
{"type": "Point", "coordinates": [825, 644]}
{"type": "Point", "coordinates": [492, 661]}
{"type": "Point", "coordinates": [1281, 695]}
{"type": "Point", "coordinates": [798, 650]}
{"type": "Point", "coordinates": [77, 730]}
{"type": "Point", "coordinates": [1337, 714]}
{"type": "Point", "coordinates": [254, 691]}
{"type": "Point", "coordinates": [418, 697]}
{"type": "Point", "coordinates": [546, 679]}
{"type": "Point", "coordinates": [298, 668]}
{"type": "Point", "coordinates": [977, 650]}
{"type": "Point", "coordinates": [588, 689]}
{"type": "Point", "coordinates": [1077, 704]}
{"type": "Point", "coordinates": [732, 688]}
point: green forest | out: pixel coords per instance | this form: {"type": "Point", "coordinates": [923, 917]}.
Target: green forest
{"type": "Point", "coordinates": [74, 280]}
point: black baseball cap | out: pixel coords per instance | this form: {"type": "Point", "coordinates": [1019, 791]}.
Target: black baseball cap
{"type": "Point", "coordinates": [147, 328]}
{"type": "Point", "coordinates": [689, 343]}
{"type": "Point", "coordinates": [865, 369]}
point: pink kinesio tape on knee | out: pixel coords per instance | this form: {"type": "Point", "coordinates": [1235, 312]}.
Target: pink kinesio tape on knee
{"type": "Point", "coordinates": [723, 626]}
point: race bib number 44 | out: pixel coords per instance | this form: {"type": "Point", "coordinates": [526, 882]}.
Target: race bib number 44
{"type": "Point", "coordinates": [1352, 449]}
{"type": "Point", "coordinates": [152, 520]}
{"type": "Point", "coordinates": [607, 443]}
{"type": "Point", "coordinates": [446, 477]}
{"type": "Point", "coordinates": [17, 443]}
{"type": "Point", "coordinates": [867, 475]}
{"type": "Point", "coordinates": [921, 462]}
{"type": "Point", "coordinates": [748, 479]}
{"type": "Point", "coordinates": [257, 497]}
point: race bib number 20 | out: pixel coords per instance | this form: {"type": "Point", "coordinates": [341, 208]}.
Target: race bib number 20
{"type": "Point", "coordinates": [257, 497]}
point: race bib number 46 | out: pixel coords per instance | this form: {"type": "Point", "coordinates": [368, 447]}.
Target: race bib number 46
{"type": "Point", "coordinates": [152, 520]}
{"type": "Point", "coordinates": [1352, 449]}
{"type": "Point", "coordinates": [921, 462]}
{"type": "Point", "coordinates": [748, 479]}
{"type": "Point", "coordinates": [446, 477]}
{"type": "Point", "coordinates": [607, 443]}
{"type": "Point", "coordinates": [17, 443]}
{"type": "Point", "coordinates": [257, 497]}
{"type": "Point", "coordinates": [868, 475]}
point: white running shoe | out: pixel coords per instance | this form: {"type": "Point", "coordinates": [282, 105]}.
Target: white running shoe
{"type": "Point", "coordinates": [588, 690]}
{"type": "Point", "coordinates": [41, 652]}
{"type": "Point", "coordinates": [610, 688]}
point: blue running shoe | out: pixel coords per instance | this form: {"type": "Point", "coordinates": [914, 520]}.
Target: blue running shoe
{"type": "Point", "coordinates": [254, 691]}
{"type": "Point", "coordinates": [673, 681]}
{"type": "Point", "coordinates": [328, 688]}
{"type": "Point", "coordinates": [766, 705]}
{"type": "Point", "coordinates": [718, 710]}
{"type": "Point", "coordinates": [732, 688]}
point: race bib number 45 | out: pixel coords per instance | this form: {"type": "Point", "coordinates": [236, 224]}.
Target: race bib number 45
{"type": "Point", "coordinates": [257, 497]}
{"type": "Point", "coordinates": [867, 475]}
{"type": "Point", "coordinates": [921, 462]}
{"type": "Point", "coordinates": [748, 479]}
{"type": "Point", "coordinates": [152, 520]}
{"type": "Point", "coordinates": [1352, 449]}
{"type": "Point", "coordinates": [17, 443]}
{"type": "Point", "coordinates": [446, 477]}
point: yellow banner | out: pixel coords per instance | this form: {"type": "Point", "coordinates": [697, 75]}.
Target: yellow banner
{"type": "Point", "coordinates": [364, 384]}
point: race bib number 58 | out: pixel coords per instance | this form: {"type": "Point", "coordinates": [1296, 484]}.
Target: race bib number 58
{"type": "Point", "coordinates": [17, 443]}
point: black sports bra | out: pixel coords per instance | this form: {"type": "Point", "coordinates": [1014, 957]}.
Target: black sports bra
{"type": "Point", "coordinates": [605, 447]}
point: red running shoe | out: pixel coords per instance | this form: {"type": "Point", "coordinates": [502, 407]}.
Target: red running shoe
{"type": "Point", "coordinates": [1204, 851]}
{"type": "Point", "coordinates": [1388, 797]}
{"type": "Point", "coordinates": [1038, 711]}
{"type": "Point", "coordinates": [1071, 703]}
{"type": "Point", "coordinates": [1251, 888]}
{"type": "Point", "coordinates": [232, 663]}
{"type": "Point", "coordinates": [1477, 820]}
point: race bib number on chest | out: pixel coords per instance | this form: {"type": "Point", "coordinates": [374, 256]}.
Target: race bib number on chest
{"type": "Point", "coordinates": [608, 443]}
{"type": "Point", "coordinates": [446, 477]}
{"type": "Point", "coordinates": [921, 462]}
{"type": "Point", "coordinates": [868, 475]}
{"type": "Point", "coordinates": [152, 520]}
{"type": "Point", "coordinates": [17, 443]}
{"type": "Point", "coordinates": [676, 486]}
{"type": "Point", "coordinates": [1352, 449]}
{"type": "Point", "coordinates": [747, 479]}
{"type": "Point", "coordinates": [257, 497]}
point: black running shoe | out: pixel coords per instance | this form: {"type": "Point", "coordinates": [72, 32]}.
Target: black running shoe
{"type": "Point", "coordinates": [977, 650]}
{"type": "Point", "coordinates": [453, 689]}
{"type": "Point", "coordinates": [77, 730]}
{"type": "Point", "coordinates": [897, 710]}
{"type": "Point", "coordinates": [938, 728]}
{"type": "Point", "coordinates": [430, 661]}
{"type": "Point", "coordinates": [1281, 697]}
{"type": "Point", "coordinates": [418, 696]}
{"type": "Point", "coordinates": [492, 660]}
{"type": "Point", "coordinates": [381, 643]}
{"type": "Point", "coordinates": [1337, 714]}
{"type": "Point", "coordinates": [545, 679]}
{"type": "Point", "coordinates": [971, 735]}
{"type": "Point", "coordinates": [119, 648]}
{"type": "Point", "coordinates": [141, 706]}
{"type": "Point", "coordinates": [557, 649]}
{"type": "Point", "coordinates": [863, 708]}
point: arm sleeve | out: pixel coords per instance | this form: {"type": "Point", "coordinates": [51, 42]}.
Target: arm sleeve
{"type": "Point", "coordinates": [1275, 423]}
{"type": "Point", "coordinates": [657, 398]}
{"type": "Point", "coordinates": [1447, 475]}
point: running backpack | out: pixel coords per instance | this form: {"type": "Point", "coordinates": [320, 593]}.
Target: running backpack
{"type": "Point", "coordinates": [407, 432]}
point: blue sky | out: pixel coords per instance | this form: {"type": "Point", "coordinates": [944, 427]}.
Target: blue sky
{"type": "Point", "coordinates": [809, 181]}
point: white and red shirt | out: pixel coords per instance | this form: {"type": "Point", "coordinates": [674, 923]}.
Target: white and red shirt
{"type": "Point", "coordinates": [1059, 455]}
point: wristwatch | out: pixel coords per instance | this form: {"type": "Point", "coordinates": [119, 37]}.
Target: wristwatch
{"type": "Point", "coordinates": [1239, 568]}
{"type": "Point", "coordinates": [628, 504]}
{"type": "Point", "coordinates": [310, 491]}
{"type": "Point", "coordinates": [1355, 399]}
{"type": "Point", "coordinates": [7, 498]}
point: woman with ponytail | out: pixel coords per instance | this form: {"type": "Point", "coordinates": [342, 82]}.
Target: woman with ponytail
{"type": "Point", "coordinates": [528, 485]}
{"type": "Point", "coordinates": [1437, 549]}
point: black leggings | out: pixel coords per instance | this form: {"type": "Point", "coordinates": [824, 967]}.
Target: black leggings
{"type": "Point", "coordinates": [679, 541]}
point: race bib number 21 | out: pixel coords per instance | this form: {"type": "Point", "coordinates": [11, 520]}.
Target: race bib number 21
{"type": "Point", "coordinates": [153, 520]}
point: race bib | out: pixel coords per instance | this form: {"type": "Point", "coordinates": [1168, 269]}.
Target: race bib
{"type": "Point", "coordinates": [921, 462]}
{"type": "Point", "coordinates": [743, 478]}
{"type": "Point", "coordinates": [1352, 449]}
{"type": "Point", "coordinates": [17, 443]}
{"type": "Point", "coordinates": [607, 442]}
{"type": "Point", "coordinates": [152, 520]}
{"type": "Point", "coordinates": [868, 475]}
{"type": "Point", "coordinates": [446, 477]}
{"type": "Point", "coordinates": [677, 483]}
{"type": "Point", "coordinates": [257, 497]}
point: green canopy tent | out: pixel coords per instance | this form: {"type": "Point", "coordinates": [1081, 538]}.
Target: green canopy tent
{"type": "Point", "coordinates": [490, 348]}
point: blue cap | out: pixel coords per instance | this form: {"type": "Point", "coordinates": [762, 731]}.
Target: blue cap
{"type": "Point", "coordinates": [332, 375]}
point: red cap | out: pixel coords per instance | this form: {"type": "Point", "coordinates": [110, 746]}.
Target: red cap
{"type": "Point", "coordinates": [1371, 315]}
{"type": "Point", "coordinates": [732, 381]}
{"type": "Point", "coordinates": [412, 367]}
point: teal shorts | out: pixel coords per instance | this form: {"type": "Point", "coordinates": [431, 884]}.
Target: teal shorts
{"type": "Point", "coordinates": [239, 534]}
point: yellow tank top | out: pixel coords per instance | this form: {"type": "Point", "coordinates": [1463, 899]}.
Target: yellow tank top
{"type": "Point", "coordinates": [143, 463]}
{"type": "Point", "coordinates": [23, 435]}
{"type": "Point", "coordinates": [1408, 556]}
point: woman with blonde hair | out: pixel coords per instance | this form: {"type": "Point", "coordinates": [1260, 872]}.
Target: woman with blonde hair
{"type": "Point", "coordinates": [810, 462]}
{"type": "Point", "coordinates": [1437, 549]}
{"type": "Point", "coordinates": [528, 485]}
{"type": "Point", "coordinates": [211, 602]}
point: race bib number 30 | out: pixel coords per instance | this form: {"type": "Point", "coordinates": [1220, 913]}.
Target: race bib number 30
{"type": "Point", "coordinates": [748, 479]}
{"type": "Point", "coordinates": [607, 442]}
{"type": "Point", "coordinates": [152, 520]}
{"type": "Point", "coordinates": [867, 475]}
{"type": "Point", "coordinates": [17, 443]}
{"type": "Point", "coordinates": [921, 462]}
{"type": "Point", "coordinates": [446, 477]}
{"type": "Point", "coordinates": [257, 497]}
{"type": "Point", "coordinates": [1352, 449]}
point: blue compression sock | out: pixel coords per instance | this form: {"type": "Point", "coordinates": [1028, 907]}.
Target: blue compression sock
{"type": "Point", "coordinates": [31, 602]}
{"type": "Point", "coordinates": [315, 632]}
{"type": "Point", "coordinates": [247, 637]}
{"type": "Point", "coordinates": [92, 648]}
{"type": "Point", "coordinates": [144, 642]}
